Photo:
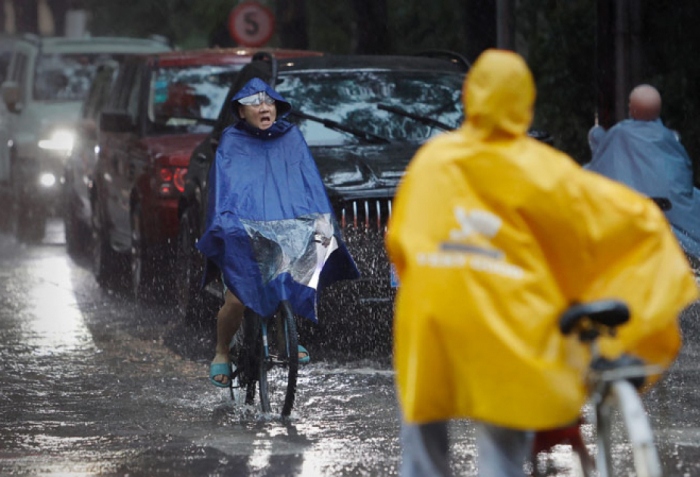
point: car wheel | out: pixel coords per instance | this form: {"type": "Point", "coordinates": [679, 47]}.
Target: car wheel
{"type": "Point", "coordinates": [74, 231]}
{"type": "Point", "coordinates": [30, 221]}
{"type": "Point", "coordinates": [106, 263]}
{"type": "Point", "coordinates": [6, 213]}
{"type": "Point", "coordinates": [143, 264]}
{"type": "Point", "coordinates": [191, 303]}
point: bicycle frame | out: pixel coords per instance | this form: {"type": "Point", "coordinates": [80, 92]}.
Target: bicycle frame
{"type": "Point", "coordinates": [611, 387]}
{"type": "Point", "coordinates": [261, 355]}
{"type": "Point", "coordinates": [265, 342]}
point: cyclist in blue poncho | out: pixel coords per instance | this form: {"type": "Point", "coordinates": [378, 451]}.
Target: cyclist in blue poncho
{"type": "Point", "coordinates": [643, 154]}
{"type": "Point", "coordinates": [270, 226]}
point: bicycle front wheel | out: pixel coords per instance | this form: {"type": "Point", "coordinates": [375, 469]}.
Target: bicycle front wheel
{"type": "Point", "coordinates": [279, 362]}
{"type": "Point", "coordinates": [622, 426]}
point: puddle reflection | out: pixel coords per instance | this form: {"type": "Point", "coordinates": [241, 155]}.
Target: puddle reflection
{"type": "Point", "coordinates": [56, 323]}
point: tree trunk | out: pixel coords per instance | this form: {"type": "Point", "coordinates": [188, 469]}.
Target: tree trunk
{"type": "Point", "coordinates": [605, 64]}
{"type": "Point", "coordinates": [292, 24]}
{"type": "Point", "coordinates": [505, 24]}
{"type": "Point", "coordinates": [26, 16]}
{"type": "Point", "coordinates": [480, 27]}
{"type": "Point", "coordinates": [59, 8]}
{"type": "Point", "coordinates": [372, 18]}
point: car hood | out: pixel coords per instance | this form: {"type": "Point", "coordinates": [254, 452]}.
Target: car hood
{"type": "Point", "coordinates": [172, 150]}
{"type": "Point", "coordinates": [363, 171]}
{"type": "Point", "coordinates": [50, 116]}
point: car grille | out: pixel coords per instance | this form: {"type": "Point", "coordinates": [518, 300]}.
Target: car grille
{"type": "Point", "coordinates": [371, 296]}
{"type": "Point", "coordinates": [358, 314]}
{"type": "Point", "coordinates": [364, 214]}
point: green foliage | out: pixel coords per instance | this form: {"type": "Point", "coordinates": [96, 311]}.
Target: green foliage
{"type": "Point", "coordinates": [412, 26]}
{"type": "Point", "coordinates": [185, 22]}
{"type": "Point", "coordinates": [557, 37]}
{"type": "Point", "coordinates": [558, 40]}
{"type": "Point", "coordinates": [415, 26]}
{"type": "Point", "coordinates": [331, 26]}
{"type": "Point", "coordinates": [671, 43]}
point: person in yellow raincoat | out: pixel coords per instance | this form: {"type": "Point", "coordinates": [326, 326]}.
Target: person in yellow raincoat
{"type": "Point", "coordinates": [494, 234]}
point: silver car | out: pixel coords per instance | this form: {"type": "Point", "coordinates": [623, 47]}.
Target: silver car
{"type": "Point", "coordinates": [47, 80]}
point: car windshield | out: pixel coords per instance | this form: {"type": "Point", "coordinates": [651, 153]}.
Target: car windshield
{"type": "Point", "coordinates": [188, 99]}
{"type": "Point", "coordinates": [66, 77]}
{"type": "Point", "coordinates": [356, 98]}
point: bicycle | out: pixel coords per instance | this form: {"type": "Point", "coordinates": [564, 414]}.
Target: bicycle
{"type": "Point", "coordinates": [265, 351]}
{"type": "Point", "coordinates": [613, 387]}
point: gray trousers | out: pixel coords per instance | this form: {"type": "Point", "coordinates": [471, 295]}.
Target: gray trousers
{"type": "Point", "coordinates": [501, 451]}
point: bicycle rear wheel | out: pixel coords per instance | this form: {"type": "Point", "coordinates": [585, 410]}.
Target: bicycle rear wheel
{"type": "Point", "coordinates": [622, 426]}
{"type": "Point", "coordinates": [279, 362]}
{"type": "Point", "coordinates": [244, 355]}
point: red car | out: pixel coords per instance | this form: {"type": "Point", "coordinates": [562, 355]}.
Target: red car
{"type": "Point", "coordinates": [161, 107]}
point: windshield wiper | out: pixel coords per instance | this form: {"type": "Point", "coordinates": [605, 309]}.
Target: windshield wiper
{"type": "Point", "coordinates": [417, 117]}
{"type": "Point", "coordinates": [329, 123]}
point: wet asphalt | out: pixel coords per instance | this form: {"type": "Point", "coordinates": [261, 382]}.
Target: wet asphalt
{"type": "Point", "coordinates": [94, 384]}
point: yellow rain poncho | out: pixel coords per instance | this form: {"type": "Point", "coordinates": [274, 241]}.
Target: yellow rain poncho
{"type": "Point", "coordinates": [494, 235]}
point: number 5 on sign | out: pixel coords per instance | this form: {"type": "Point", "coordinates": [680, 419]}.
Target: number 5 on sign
{"type": "Point", "coordinates": [251, 24]}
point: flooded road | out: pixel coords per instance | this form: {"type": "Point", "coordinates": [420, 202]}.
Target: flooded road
{"type": "Point", "coordinates": [92, 384]}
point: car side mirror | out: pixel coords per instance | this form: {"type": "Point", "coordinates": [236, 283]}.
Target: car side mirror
{"type": "Point", "coordinates": [89, 128]}
{"type": "Point", "coordinates": [11, 96]}
{"type": "Point", "coordinates": [116, 122]}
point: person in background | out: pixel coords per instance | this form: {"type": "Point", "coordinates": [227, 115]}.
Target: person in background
{"type": "Point", "coordinates": [645, 155]}
{"type": "Point", "coordinates": [494, 235]}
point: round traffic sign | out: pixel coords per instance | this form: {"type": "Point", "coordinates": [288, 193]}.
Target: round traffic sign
{"type": "Point", "coordinates": [251, 24]}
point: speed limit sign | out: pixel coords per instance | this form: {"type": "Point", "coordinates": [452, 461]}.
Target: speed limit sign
{"type": "Point", "coordinates": [251, 24]}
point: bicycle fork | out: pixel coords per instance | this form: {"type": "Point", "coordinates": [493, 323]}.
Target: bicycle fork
{"type": "Point", "coordinates": [640, 435]}
{"type": "Point", "coordinates": [280, 336]}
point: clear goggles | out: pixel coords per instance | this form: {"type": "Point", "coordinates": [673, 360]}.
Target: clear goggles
{"type": "Point", "coordinates": [257, 99]}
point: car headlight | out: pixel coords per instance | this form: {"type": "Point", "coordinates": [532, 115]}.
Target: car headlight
{"type": "Point", "coordinates": [60, 140]}
{"type": "Point", "coordinates": [47, 179]}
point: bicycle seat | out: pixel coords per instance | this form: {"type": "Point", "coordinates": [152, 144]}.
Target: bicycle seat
{"type": "Point", "coordinates": [609, 313]}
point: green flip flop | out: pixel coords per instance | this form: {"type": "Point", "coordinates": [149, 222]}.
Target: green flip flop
{"type": "Point", "coordinates": [217, 369]}
{"type": "Point", "coordinates": [305, 359]}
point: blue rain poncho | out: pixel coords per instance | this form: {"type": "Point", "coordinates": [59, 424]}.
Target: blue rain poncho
{"type": "Point", "coordinates": [647, 156]}
{"type": "Point", "coordinates": [270, 226]}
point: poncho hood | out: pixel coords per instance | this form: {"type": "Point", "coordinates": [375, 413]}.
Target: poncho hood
{"type": "Point", "coordinates": [257, 85]}
{"type": "Point", "coordinates": [499, 95]}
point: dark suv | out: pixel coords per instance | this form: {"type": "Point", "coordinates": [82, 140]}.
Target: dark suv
{"type": "Point", "coordinates": [363, 117]}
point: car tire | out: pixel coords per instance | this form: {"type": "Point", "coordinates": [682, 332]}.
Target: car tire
{"type": "Point", "coordinates": [30, 222]}
{"type": "Point", "coordinates": [6, 213]}
{"type": "Point", "coordinates": [143, 264]}
{"type": "Point", "coordinates": [191, 303]}
{"type": "Point", "coordinates": [106, 262]}
{"type": "Point", "coordinates": [75, 231]}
